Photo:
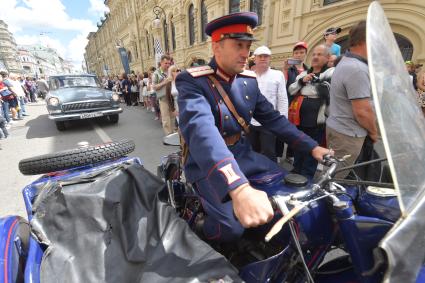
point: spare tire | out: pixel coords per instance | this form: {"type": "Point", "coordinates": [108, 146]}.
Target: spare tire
{"type": "Point", "coordinates": [68, 159]}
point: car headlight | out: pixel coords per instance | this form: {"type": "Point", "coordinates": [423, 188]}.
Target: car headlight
{"type": "Point", "coordinates": [53, 101]}
{"type": "Point", "coordinates": [115, 97]}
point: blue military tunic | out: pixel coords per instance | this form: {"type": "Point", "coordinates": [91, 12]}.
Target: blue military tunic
{"type": "Point", "coordinates": [205, 120]}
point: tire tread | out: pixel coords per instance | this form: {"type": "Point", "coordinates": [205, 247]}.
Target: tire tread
{"type": "Point", "coordinates": [68, 159]}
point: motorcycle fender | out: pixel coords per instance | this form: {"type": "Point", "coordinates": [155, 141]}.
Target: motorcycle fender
{"type": "Point", "coordinates": [12, 248]}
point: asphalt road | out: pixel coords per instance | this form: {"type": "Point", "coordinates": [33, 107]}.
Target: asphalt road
{"type": "Point", "coordinates": [38, 135]}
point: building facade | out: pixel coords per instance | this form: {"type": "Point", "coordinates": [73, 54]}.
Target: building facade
{"type": "Point", "coordinates": [180, 29]}
{"type": "Point", "coordinates": [28, 62]}
{"type": "Point", "coordinates": [45, 60]}
{"type": "Point", "coordinates": [8, 50]}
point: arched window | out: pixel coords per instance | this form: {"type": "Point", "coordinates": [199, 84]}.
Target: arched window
{"type": "Point", "coordinates": [204, 20]}
{"type": "Point", "coordinates": [406, 47]}
{"type": "Point", "coordinates": [191, 25]}
{"type": "Point", "coordinates": [147, 43]}
{"type": "Point", "coordinates": [234, 6]}
{"type": "Point", "coordinates": [165, 28]}
{"type": "Point", "coordinates": [173, 34]}
{"type": "Point", "coordinates": [256, 6]}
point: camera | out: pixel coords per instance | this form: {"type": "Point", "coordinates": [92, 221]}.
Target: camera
{"type": "Point", "coordinates": [315, 79]}
{"type": "Point", "coordinates": [292, 61]}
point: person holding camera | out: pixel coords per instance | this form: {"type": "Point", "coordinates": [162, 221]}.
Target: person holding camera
{"type": "Point", "coordinates": [294, 66]}
{"type": "Point", "coordinates": [307, 111]}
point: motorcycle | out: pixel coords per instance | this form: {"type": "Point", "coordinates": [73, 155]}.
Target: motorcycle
{"type": "Point", "coordinates": [371, 223]}
{"type": "Point", "coordinates": [98, 216]}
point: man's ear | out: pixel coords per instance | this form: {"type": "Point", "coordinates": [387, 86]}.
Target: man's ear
{"type": "Point", "coordinates": [215, 47]}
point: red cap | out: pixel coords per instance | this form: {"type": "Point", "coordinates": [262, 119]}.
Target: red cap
{"type": "Point", "coordinates": [237, 31]}
{"type": "Point", "coordinates": [237, 26]}
{"type": "Point", "coordinates": [300, 44]}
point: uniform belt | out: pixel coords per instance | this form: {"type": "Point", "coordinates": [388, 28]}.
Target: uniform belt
{"type": "Point", "coordinates": [231, 140]}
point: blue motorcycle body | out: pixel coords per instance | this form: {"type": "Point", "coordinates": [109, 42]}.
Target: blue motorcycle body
{"type": "Point", "coordinates": [358, 227]}
{"type": "Point", "coordinates": [11, 249]}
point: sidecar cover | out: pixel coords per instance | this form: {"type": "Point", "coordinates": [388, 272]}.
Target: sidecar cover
{"type": "Point", "coordinates": [111, 227]}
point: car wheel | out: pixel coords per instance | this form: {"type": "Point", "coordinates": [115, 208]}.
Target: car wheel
{"type": "Point", "coordinates": [60, 125]}
{"type": "Point", "coordinates": [113, 118]}
{"type": "Point", "coordinates": [68, 159]}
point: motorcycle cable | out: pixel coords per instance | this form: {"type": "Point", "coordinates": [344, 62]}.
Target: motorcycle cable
{"type": "Point", "coordinates": [285, 210]}
{"type": "Point", "coordinates": [360, 164]}
{"type": "Point", "coordinates": [365, 183]}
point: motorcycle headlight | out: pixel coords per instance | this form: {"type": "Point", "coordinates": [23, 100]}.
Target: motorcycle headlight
{"type": "Point", "coordinates": [115, 97]}
{"type": "Point", "coordinates": [53, 101]}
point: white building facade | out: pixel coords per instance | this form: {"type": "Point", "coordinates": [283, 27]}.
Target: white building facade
{"type": "Point", "coordinates": [8, 50]}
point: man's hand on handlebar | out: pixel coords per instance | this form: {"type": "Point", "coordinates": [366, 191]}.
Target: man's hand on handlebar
{"type": "Point", "coordinates": [319, 152]}
{"type": "Point", "coordinates": [251, 207]}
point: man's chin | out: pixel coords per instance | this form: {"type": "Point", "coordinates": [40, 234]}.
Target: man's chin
{"type": "Point", "coordinates": [240, 69]}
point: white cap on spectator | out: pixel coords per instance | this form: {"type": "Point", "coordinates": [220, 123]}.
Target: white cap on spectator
{"type": "Point", "coordinates": [262, 50]}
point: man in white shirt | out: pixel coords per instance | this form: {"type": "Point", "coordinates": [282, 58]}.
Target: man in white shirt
{"type": "Point", "coordinates": [272, 85]}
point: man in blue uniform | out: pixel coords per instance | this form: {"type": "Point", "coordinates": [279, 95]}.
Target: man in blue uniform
{"type": "Point", "coordinates": [220, 159]}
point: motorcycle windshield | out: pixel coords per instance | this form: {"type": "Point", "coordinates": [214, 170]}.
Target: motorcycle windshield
{"type": "Point", "coordinates": [402, 126]}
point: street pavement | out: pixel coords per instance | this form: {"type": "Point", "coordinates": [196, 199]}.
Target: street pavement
{"type": "Point", "coordinates": [36, 135]}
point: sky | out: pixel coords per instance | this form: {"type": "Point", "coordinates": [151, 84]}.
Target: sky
{"type": "Point", "coordinates": [59, 24]}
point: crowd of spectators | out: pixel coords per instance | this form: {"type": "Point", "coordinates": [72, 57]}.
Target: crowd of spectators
{"type": "Point", "coordinates": [153, 91]}
{"type": "Point", "coordinates": [16, 91]}
{"type": "Point", "coordinates": [329, 98]}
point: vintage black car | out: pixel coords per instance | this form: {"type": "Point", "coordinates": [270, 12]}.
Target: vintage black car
{"type": "Point", "coordinates": [75, 97]}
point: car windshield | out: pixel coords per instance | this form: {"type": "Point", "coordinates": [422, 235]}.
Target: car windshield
{"type": "Point", "coordinates": [73, 81]}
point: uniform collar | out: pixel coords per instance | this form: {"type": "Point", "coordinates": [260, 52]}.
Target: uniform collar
{"type": "Point", "coordinates": [220, 73]}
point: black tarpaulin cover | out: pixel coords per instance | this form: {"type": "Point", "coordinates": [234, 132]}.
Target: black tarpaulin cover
{"type": "Point", "coordinates": [112, 228]}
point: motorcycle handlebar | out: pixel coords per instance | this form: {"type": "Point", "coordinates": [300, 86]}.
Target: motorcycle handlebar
{"type": "Point", "coordinates": [303, 195]}
{"type": "Point", "coordinates": [279, 202]}
{"type": "Point", "coordinates": [332, 163]}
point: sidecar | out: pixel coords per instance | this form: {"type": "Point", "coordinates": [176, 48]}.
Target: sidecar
{"type": "Point", "coordinates": [100, 221]}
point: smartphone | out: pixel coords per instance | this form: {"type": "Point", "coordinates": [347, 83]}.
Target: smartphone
{"type": "Point", "coordinates": [292, 61]}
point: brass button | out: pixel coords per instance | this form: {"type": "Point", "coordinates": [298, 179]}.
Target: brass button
{"type": "Point", "coordinates": [250, 112]}
{"type": "Point", "coordinates": [226, 117]}
{"type": "Point", "coordinates": [220, 101]}
{"type": "Point", "coordinates": [247, 97]}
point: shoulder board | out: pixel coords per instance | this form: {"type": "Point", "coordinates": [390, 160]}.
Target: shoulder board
{"type": "Point", "coordinates": [248, 73]}
{"type": "Point", "coordinates": [200, 71]}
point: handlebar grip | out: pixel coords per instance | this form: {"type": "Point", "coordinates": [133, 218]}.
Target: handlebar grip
{"type": "Point", "coordinates": [328, 160]}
